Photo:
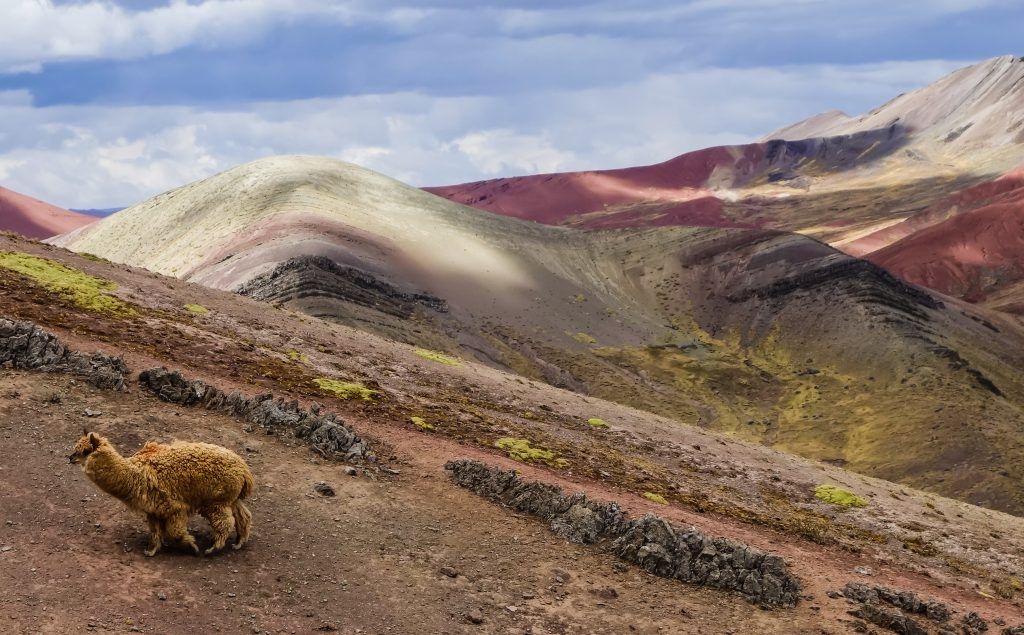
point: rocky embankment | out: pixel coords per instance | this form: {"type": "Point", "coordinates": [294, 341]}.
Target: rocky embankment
{"type": "Point", "coordinates": [26, 346]}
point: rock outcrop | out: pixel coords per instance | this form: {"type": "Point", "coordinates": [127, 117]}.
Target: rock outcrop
{"type": "Point", "coordinates": [26, 346]}
{"type": "Point", "coordinates": [325, 433]}
{"type": "Point", "coordinates": [651, 542]}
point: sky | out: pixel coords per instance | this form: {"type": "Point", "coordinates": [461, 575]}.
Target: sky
{"type": "Point", "coordinates": [104, 103]}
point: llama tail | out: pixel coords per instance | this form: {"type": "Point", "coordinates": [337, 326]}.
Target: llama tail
{"type": "Point", "coordinates": [243, 521]}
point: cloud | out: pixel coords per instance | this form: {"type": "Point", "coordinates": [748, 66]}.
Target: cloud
{"type": "Point", "coordinates": [93, 156]}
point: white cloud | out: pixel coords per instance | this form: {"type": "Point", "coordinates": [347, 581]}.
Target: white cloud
{"type": "Point", "coordinates": [35, 32]}
{"type": "Point", "coordinates": [501, 150]}
{"type": "Point", "coordinates": [91, 156]}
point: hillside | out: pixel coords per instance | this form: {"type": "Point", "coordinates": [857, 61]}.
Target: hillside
{"type": "Point", "coordinates": [835, 177]}
{"type": "Point", "coordinates": [404, 547]}
{"type": "Point", "coordinates": [771, 337]}
{"type": "Point", "coordinates": [33, 218]}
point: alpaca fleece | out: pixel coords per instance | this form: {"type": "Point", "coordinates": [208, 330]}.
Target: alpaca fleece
{"type": "Point", "coordinates": [169, 482]}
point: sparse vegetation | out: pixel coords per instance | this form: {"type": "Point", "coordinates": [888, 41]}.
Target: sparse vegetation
{"type": "Point", "coordinates": [85, 291]}
{"type": "Point", "coordinates": [346, 389]}
{"type": "Point", "coordinates": [597, 423]}
{"type": "Point", "coordinates": [440, 358]}
{"type": "Point", "coordinates": [839, 497]}
{"type": "Point", "coordinates": [655, 498]}
{"type": "Point", "coordinates": [296, 356]}
{"type": "Point", "coordinates": [198, 309]}
{"type": "Point", "coordinates": [521, 450]}
{"type": "Point", "coordinates": [421, 423]}
{"type": "Point", "coordinates": [584, 338]}
{"type": "Point", "coordinates": [93, 257]}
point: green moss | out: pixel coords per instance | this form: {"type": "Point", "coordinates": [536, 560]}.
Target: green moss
{"type": "Point", "coordinates": [839, 496]}
{"type": "Point", "coordinates": [655, 498]}
{"type": "Point", "coordinates": [421, 423]}
{"type": "Point", "coordinates": [296, 356]}
{"type": "Point", "coordinates": [597, 423]}
{"type": "Point", "coordinates": [85, 291]}
{"type": "Point", "coordinates": [440, 358]}
{"type": "Point", "coordinates": [345, 389]}
{"type": "Point", "coordinates": [583, 338]}
{"type": "Point", "coordinates": [198, 309]}
{"type": "Point", "coordinates": [578, 298]}
{"type": "Point", "coordinates": [93, 257]}
{"type": "Point", "coordinates": [521, 450]}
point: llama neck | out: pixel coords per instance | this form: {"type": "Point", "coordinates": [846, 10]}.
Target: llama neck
{"type": "Point", "coordinates": [115, 475]}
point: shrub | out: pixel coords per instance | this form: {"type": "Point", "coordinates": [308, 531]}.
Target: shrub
{"type": "Point", "coordinates": [421, 423]}
{"type": "Point", "coordinates": [597, 423]}
{"type": "Point", "coordinates": [198, 309]}
{"type": "Point", "coordinates": [583, 338]}
{"type": "Point", "coordinates": [655, 498]}
{"type": "Point", "coordinates": [296, 356]}
{"type": "Point", "coordinates": [839, 496]}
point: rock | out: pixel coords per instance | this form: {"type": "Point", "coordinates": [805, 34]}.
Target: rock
{"type": "Point", "coordinates": [26, 346]}
{"type": "Point", "coordinates": [91, 413]}
{"type": "Point", "coordinates": [865, 571]}
{"type": "Point", "coordinates": [475, 616]}
{"type": "Point", "coordinates": [351, 471]}
{"type": "Point", "coordinates": [650, 542]}
{"type": "Point", "coordinates": [323, 489]}
{"type": "Point", "coordinates": [161, 596]}
{"type": "Point", "coordinates": [6, 548]}
{"type": "Point", "coordinates": [448, 571]}
{"type": "Point", "coordinates": [972, 624]}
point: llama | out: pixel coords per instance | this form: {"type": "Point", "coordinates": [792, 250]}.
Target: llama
{"type": "Point", "coordinates": [167, 483]}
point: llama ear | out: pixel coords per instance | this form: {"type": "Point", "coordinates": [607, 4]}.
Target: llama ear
{"type": "Point", "coordinates": [94, 439]}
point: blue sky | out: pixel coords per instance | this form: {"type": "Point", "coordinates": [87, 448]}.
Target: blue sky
{"type": "Point", "coordinates": [104, 104]}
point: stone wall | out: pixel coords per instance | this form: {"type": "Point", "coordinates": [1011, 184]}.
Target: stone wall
{"type": "Point", "coordinates": [325, 433]}
{"type": "Point", "coordinates": [651, 542]}
{"type": "Point", "coordinates": [26, 346]}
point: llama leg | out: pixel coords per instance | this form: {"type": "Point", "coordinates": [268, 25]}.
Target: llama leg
{"type": "Point", "coordinates": [177, 529]}
{"type": "Point", "coordinates": [223, 524]}
{"type": "Point", "coordinates": [155, 534]}
{"type": "Point", "coordinates": [243, 520]}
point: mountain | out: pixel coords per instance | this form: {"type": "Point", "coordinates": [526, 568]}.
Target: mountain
{"type": "Point", "coordinates": [834, 177]}
{"type": "Point", "coordinates": [396, 544]}
{"type": "Point", "coordinates": [769, 336]}
{"type": "Point", "coordinates": [99, 213]}
{"type": "Point", "coordinates": [34, 218]}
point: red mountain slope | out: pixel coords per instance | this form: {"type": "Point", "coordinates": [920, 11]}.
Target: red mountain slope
{"type": "Point", "coordinates": [34, 218]}
{"type": "Point", "coordinates": [969, 246]}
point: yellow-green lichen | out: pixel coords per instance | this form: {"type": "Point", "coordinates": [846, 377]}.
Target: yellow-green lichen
{"type": "Point", "coordinates": [521, 450]}
{"type": "Point", "coordinates": [655, 498]}
{"type": "Point", "coordinates": [839, 496]}
{"type": "Point", "coordinates": [440, 358]}
{"type": "Point", "coordinates": [85, 291]}
{"type": "Point", "coordinates": [198, 309]}
{"type": "Point", "coordinates": [346, 389]}
{"type": "Point", "coordinates": [584, 338]}
{"type": "Point", "coordinates": [597, 423]}
{"type": "Point", "coordinates": [421, 423]}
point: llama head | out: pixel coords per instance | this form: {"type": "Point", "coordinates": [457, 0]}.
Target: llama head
{"type": "Point", "coordinates": [86, 445]}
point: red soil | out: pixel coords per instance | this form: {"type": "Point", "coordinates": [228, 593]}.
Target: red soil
{"type": "Point", "coordinates": [35, 219]}
{"type": "Point", "coordinates": [968, 246]}
{"type": "Point", "coordinates": [671, 193]}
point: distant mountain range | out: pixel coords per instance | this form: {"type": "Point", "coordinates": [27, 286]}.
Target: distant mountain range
{"type": "Point", "coordinates": [99, 213]}
{"type": "Point", "coordinates": [34, 218]}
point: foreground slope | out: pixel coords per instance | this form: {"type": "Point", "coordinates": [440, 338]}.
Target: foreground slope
{"type": "Point", "coordinates": [399, 547]}
{"type": "Point", "coordinates": [773, 337]}
{"type": "Point", "coordinates": [33, 218]}
{"type": "Point", "coordinates": [832, 176]}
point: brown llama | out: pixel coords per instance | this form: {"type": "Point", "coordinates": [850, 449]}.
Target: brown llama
{"type": "Point", "coordinates": [168, 483]}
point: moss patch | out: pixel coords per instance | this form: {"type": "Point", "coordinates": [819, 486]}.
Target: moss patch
{"type": "Point", "coordinates": [198, 309]}
{"type": "Point", "coordinates": [421, 423]}
{"type": "Point", "coordinates": [346, 389]}
{"type": "Point", "coordinates": [597, 423]}
{"type": "Point", "coordinates": [296, 356]}
{"type": "Point", "coordinates": [85, 291]}
{"type": "Point", "coordinates": [839, 496]}
{"type": "Point", "coordinates": [584, 338]}
{"type": "Point", "coordinates": [655, 498]}
{"type": "Point", "coordinates": [440, 358]}
{"type": "Point", "coordinates": [521, 450]}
